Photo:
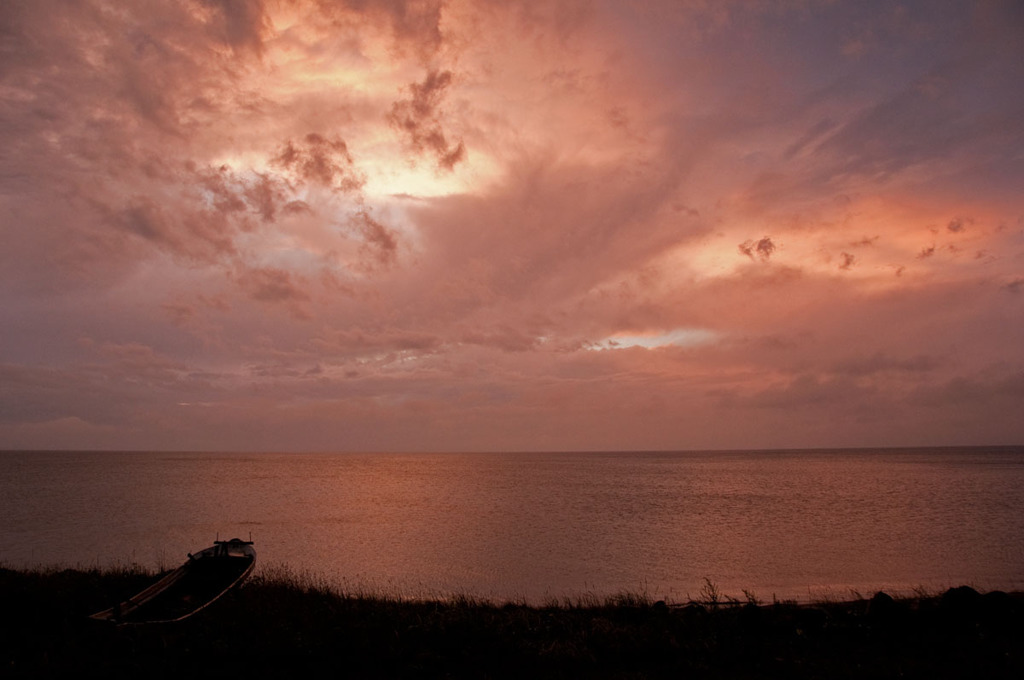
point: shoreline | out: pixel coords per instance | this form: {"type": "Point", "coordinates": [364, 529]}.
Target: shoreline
{"type": "Point", "coordinates": [276, 625]}
{"type": "Point", "coordinates": [313, 579]}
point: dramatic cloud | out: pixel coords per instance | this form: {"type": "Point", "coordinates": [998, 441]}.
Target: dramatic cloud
{"type": "Point", "coordinates": [318, 160]}
{"type": "Point", "coordinates": [378, 240]}
{"type": "Point", "coordinates": [443, 224]}
{"type": "Point", "coordinates": [419, 119]}
{"type": "Point", "coordinates": [762, 248]}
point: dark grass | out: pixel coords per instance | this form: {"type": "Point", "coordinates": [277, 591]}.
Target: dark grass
{"type": "Point", "coordinates": [283, 625]}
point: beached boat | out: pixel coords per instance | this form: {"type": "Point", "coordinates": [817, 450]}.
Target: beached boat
{"type": "Point", "coordinates": [193, 586]}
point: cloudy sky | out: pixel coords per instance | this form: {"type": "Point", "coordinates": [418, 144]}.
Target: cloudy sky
{"type": "Point", "coordinates": [508, 225]}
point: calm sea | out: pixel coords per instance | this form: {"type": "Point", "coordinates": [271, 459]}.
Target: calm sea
{"type": "Point", "coordinates": [786, 524]}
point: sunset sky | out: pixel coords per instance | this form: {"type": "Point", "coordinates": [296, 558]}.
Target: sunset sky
{"type": "Point", "coordinates": [497, 225]}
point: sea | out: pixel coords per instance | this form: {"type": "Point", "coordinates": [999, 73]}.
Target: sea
{"type": "Point", "coordinates": [800, 525]}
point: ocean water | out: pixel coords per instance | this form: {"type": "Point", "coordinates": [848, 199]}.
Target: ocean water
{"type": "Point", "coordinates": [536, 526]}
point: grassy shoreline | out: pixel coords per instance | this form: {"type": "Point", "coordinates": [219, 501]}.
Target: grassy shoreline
{"type": "Point", "coordinates": [282, 625]}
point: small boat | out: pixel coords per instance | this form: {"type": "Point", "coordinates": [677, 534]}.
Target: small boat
{"type": "Point", "coordinates": [190, 588]}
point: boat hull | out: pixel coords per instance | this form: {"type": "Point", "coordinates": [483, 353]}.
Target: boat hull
{"type": "Point", "coordinates": [190, 588]}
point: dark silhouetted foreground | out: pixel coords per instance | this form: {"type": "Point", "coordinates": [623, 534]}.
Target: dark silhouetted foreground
{"type": "Point", "coordinates": [283, 626]}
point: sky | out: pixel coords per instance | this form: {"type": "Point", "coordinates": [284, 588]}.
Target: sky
{"type": "Point", "coordinates": [454, 225]}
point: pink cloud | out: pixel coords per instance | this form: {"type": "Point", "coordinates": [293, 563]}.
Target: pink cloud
{"type": "Point", "coordinates": [231, 202]}
{"type": "Point", "coordinates": [418, 118]}
{"type": "Point", "coordinates": [319, 160]}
